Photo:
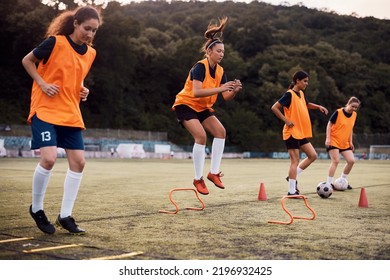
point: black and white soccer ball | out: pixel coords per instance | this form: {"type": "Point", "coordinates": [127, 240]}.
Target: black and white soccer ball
{"type": "Point", "coordinates": [324, 190]}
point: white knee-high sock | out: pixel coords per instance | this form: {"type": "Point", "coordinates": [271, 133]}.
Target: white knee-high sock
{"type": "Point", "coordinates": [329, 180]}
{"type": "Point", "coordinates": [216, 154]}
{"type": "Point", "coordinates": [299, 170]}
{"type": "Point", "coordinates": [198, 157]}
{"type": "Point", "coordinates": [71, 188]}
{"type": "Point", "coordinates": [41, 179]}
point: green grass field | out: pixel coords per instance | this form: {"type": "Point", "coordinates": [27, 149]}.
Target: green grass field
{"type": "Point", "coordinates": [119, 202]}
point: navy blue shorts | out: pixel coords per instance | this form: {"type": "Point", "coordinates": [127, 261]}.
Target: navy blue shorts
{"type": "Point", "coordinates": [292, 143]}
{"type": "Point", "coordinates": [45, 135]}
{"type": "Point", "coordinates": [185, 113]}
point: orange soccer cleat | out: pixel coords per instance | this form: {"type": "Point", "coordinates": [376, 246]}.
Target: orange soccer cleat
{"type": "Point", "coordinates": [201, 186]}
{"type": "Point", "coordinates": [216, 179]}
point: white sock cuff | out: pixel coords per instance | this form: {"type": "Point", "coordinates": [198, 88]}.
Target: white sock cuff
{"type": "Point", "coordinates": [74, 175]}
{"type": "Point", "coordinates": [219, 140]}
{"type": "Point", "coordinates": [42, 170]}
{"type": "Point", "coordinates": [199, 146]}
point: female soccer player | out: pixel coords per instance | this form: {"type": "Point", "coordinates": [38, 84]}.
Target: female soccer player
{"type": "Point", "coordinates": [339, 134]}
{"type": "Point", "coordinates": [65, 58]}
{"type": "Point", "coordinates": [193, 106]}
{"type": "Point", "coordinates": [297, 127]}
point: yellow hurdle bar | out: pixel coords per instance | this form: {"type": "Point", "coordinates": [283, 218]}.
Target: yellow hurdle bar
{"type": "Point", "coordinates": [132, 254]}
{"type": "Point", "coordinates": [51, 248]}
{"type": "Point", "coordinates": [16, 239]}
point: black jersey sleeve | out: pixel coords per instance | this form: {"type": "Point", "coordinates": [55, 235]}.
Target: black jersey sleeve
{"type": "Point", "coordinates": [224, 78]}
{"type": "Point", "coordinates": [198, 72]}
{"type": "Point", "coordinates": [285, 100]}
{"type": "Point", "coordinates": [43, 51]}
{"type": "Point", "coordinates": [333, 117]}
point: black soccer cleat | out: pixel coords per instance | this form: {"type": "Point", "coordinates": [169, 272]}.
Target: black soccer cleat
{"type": "Point", "coordinates": [42, 221]}
{"type": "Point", "coordinates": [69, 224]}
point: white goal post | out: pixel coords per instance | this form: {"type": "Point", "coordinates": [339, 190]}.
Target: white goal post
{"type": "Point", "coordinates": [379, 152]}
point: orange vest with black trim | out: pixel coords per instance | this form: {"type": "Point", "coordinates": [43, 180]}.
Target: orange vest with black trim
{"type": "Point", "coordinates": [298, 113]}
{"type": "Point", "coordinates": [340, 131]}
{"type": "Point", "coordinates": [67, 69]}
{"type": "Point", "coordinates": [198, 104]}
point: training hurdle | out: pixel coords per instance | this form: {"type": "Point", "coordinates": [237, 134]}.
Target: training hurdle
{"type": "Point", "coordinates": [177, 207]}
{"type": "Point", "coordinates": [292, 217]}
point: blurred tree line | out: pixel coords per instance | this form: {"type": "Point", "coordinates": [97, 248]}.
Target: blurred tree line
{"type": "Point", "coordinates": [145, 50]}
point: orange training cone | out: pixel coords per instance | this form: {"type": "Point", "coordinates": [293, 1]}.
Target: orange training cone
{"type": "Point", "coordinates": [363, 198]}
{"type": "Point", "coordinates": [262, 195]}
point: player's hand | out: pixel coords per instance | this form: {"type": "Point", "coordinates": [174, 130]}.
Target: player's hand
{"type": "Point", "coordinates": [84, 92]}
{"type": "Point", "coordinates": [327, 143]}
{"type": "Point", "coordinates": [289, 124]}
{"type": "Point", "coordinates": [229, 86]}
{"type": "Point", "coordinates": [237, 85]}
{"type": "Point", "coordinates": [323, 110]}
{"type": "Point", "coordinates": [50, 89]}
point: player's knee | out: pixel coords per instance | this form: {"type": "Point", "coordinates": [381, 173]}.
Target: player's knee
{"type": "Point", "coordinates": [201, 138]}
{"type": "Point", "coordinates": [48, 161]}
{"type": "Point", "coordinates": [80, 164]}
{"type": "Point", "coordinates": [335, 162]}
{"type": "Point", "coordinates": [312, 157]}
{"type": "Point", "coordinates": [222, 133]}
{"type": "Point", "coordinates": [294, 162]}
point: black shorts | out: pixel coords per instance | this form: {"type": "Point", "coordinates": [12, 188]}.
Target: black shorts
{"type": "Point", "coordinates": [292, 143]}
{"type": "Point", "coordinates": [185, 113]}
{"type": "Point", "coordinates": [340, 150]}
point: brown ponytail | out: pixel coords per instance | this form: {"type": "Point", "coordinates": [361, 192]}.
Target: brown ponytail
{"type": "Point", "coordinates": [211, 34]}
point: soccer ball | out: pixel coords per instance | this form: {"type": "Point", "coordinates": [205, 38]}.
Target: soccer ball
{"type": "Point", "coordinates": [340, 184]}
{"type": "Point", "coordinates": [324, 190]}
